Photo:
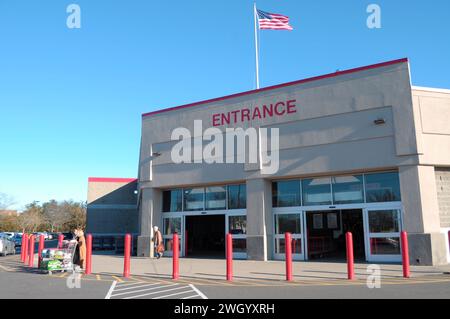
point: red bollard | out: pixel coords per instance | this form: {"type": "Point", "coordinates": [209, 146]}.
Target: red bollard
{"type": "Point", "coordinates": [405, 254]}
{"type": "Point", "coordinates": [288, 251]}
{"type": "Point", "coordinates": [88, 269]}
{"type": "Point", "coordinates": [350, 258]}
{"type": "Point", "coordinates": [60, 240]}
{"type": "Point", "coordinates": [127, 252]}
{"type": "Point", "coordinates": [40, 249]}
{"type": "Point", "coordinates": [229, 256]}
{"type": "Point", "coordinates": [31, 251]}
{"type": "Point", "coordinates": [175, 257]}
{"type": "Point", "coordinates": [23, 248]}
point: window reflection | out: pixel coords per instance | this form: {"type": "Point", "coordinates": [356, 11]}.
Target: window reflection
{"type": "Point", "coordinates": [382, 187]}
{"type": "Point", "coordinates": [237, 196]}
{"type": "Point", "coordinates": [287, 223]}
{"type": "Point", "coordinates": [348, 189]}
{"type": "Point", "coordinates": [216, 197]}
{"type": "Point", "coordinates": [193, 199]}
{"type": "Point", "coordinates": [286, 193]}
{"type": "Point", "coordinates": [316, 191]}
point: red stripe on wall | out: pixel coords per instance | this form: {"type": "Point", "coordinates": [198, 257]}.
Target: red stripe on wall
{"type": "Point", "coordinates": [111, 180]}
{"type": "Point", "coordinates": [316, 78]}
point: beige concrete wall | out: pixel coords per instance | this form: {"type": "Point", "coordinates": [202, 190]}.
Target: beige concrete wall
{"type": "Point", "coordinates": [443, 195]}
{"type": "Point", "coordinates": [112, 207]}
{"type": "Point", "coordinates": [433, 120]}
{"type": "Point", "coordinates": [332, 131]}
{"type": "Point", "coordinates": [112, 193]}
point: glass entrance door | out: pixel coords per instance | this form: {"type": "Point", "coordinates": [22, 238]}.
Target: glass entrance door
{"type": "Point", "coordinates": [173, 224]}
{"type": "Point", "coordinates": [383, 227]}
{"type": "Point", "coordinates": [289, 221]}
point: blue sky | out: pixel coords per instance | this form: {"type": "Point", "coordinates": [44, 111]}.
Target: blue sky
{"type": "Point", "coordinates": [71, 100]}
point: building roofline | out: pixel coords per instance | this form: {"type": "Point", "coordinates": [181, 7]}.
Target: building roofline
{"type": "Point", "coordinates": [111, 180]}
{"type": "Point", "coordinates": [316, 78]}
{"type": "Point", "coordinates": [428, 89]}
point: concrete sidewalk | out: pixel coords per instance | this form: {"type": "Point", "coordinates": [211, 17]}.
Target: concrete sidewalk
{"type": "Point", "coordinates": [214, 269]}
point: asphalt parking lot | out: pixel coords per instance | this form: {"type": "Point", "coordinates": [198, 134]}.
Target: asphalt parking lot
{"type": "Point", "coordinates": [19, 281]}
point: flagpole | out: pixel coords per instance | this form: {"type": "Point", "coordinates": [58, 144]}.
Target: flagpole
{"type": "Point", "coordinates": [255, 13]}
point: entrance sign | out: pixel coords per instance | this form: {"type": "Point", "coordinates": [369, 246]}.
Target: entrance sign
{"type": "Point", "coordinates": [243, 115]}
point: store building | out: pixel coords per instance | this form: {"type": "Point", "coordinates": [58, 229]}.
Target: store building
{"type": "Point", "coordinates": [360, 150]}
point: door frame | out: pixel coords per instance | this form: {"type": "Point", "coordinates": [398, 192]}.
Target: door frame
{"type": "Point", "coordinates": [365, 207]}
{"type": "Point", "coordinates": [368, 235]}
{"type": "Point", "coordinates": [339, 208]}
{"type": "Point", "coordinates": [289, 211]}
{"type": "Point", "coordinates": [183, 215]}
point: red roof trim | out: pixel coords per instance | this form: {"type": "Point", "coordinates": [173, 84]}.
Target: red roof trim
{"type": "Point", "coordinates": [111, 180]}
{"type": "Point", "coordinates": [316, 78]}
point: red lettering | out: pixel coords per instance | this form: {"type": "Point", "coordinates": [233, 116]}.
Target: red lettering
{"type": "Point", "coordinates": [256, 113]}
{"type": "Point", "coordinates": [276, 108]}
{"type": "Point", "coordinates": [226, 118]}
{"type": "Point", "coordinates": [280, 108]}
{"type": "Point", "coordinates": [245, 113]}
{"type": "Point", "coordinates": [267, 110]}
{"type": "Point", "coordinates": [216, 119]}
{"type": "Point", "coordinates": [235, 115]}
{"type": "Point", "coordinates": [291, 107]}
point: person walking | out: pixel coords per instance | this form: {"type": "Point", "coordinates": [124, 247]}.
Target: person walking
{"type": "Point", "coordinates": [158, 242]}
{"type": "Point", "coordinates": [81, 248]}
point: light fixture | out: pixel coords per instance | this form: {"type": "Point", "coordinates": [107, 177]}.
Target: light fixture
{"type": "Point", "coordinates": [379, 121]}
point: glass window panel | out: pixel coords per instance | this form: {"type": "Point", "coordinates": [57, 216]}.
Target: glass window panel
{"type": "Point", "coordinates": [237, 225]}
{"type": "Point", "coordinates": [216, 197]}
{"type": "Point", "coordinates": [287, 223]}
{"type": "Point", "coordinates": [385, 246]}
{"type": "Point", "coordinates": [280, 247]}
{"type": "Point", "coordinates": [172, 201]}
{"type": "Point", "coordinates": [384, 221]}
{"type": "Point", "coordinates": [239, 245]}
{"type": "Point", "coordinates": [383, 187]}
{"type": "Point", "coordinates": [172, 225]}
{"type": "Point", "coordinates": [286, 193]}
{"type": "Point", "coordinates": [168, 244]}
{"type": "Point", "coordinates": [237, 196]}
{"type": "Point", "coordinates": [193, 199]}
{"type": "Point", "coordinates": [348, 189]}
{"type": "Point", "coordinates": [316, 191]}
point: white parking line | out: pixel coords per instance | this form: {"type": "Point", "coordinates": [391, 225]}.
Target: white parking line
{"type": "Point", "coordinates": [141, 290]}
{"type": "Point", "coordinates": [175, 294]}
{"type": "Point", "coordinates": [133, 287]}
{"type": "Point", "coordinates": [198, 291]}
{"type": "Point", "coordinates": [127, 284]}
{"type": "Point", "coordinates": [5, 268]}
{"type": "Point", "coordinates": [155, 292]}
{"type": "Point", "coordinates": [111, 289]}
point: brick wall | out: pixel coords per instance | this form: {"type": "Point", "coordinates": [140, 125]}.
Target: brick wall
{"type": "Point", "coordinates": [443, 193]}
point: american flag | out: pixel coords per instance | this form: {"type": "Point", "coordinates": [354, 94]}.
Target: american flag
{"type": "Point", "coordinates": [273, 21]}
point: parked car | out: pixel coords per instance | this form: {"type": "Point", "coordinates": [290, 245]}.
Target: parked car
{"type": "Point", "coordinates": [7, 234]}
{"type": "Point", "coordinates": [18, 239]}
{"type": "Point", "coordinates": [68, 236]}
{"type": "Point", "coordinates": [7, 246]}
{"type": "Point", "coordinates": [46, 236]}
{"type": "Point", "coordinates": [53, 236]}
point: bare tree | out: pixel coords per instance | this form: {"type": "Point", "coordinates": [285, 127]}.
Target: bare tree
{"type": "Point", "coordinates": [56, 215]}
{"type": "Point", "coordinates": [32, 217]}
{"type": "Point", "coordinates": [77, 212]}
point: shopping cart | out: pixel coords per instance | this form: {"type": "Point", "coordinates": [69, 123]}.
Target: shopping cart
{"type": "Point", "coordinates": [58, 259]}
